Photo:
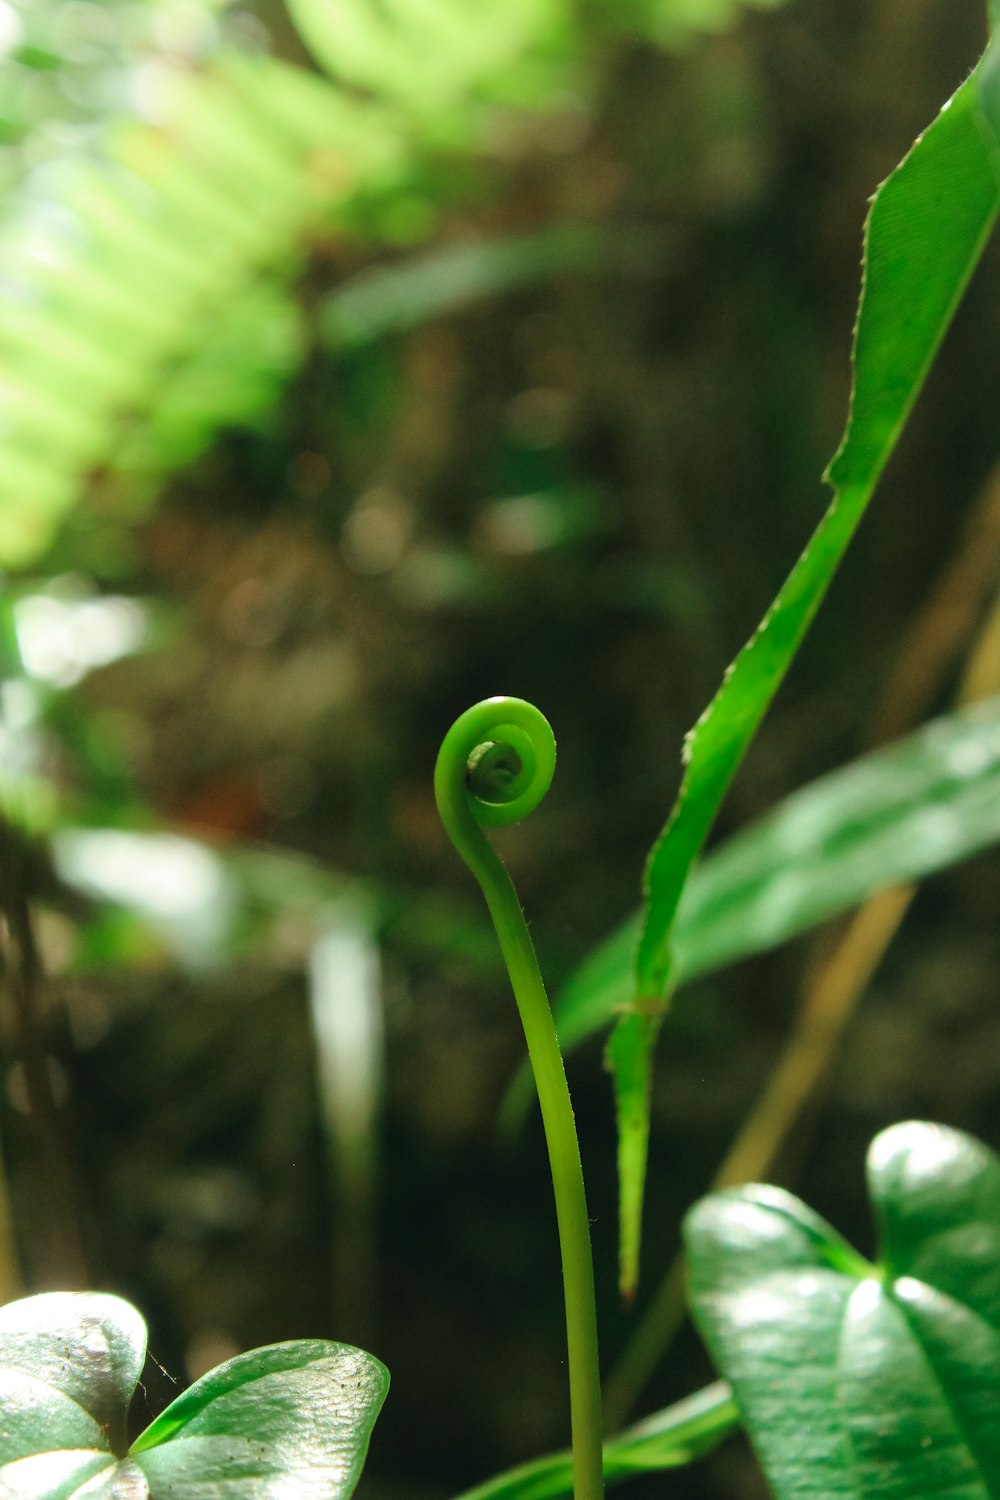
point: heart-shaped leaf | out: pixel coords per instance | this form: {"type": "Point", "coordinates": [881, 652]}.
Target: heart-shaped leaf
{"type": "Point", "coordinates": [290, 1419]}
{"type": "Point", "coordinates": [856, 1380]}
{"type": "Point", "coordinates": [69, 1362]}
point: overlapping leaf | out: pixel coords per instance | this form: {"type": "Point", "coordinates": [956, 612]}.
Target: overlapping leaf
{"type": "Point", "coordinates": [292, 1417]}
{"type": "Point", "coordinates": [148, 290]}
{"type": "Point", "coordinates": [927, 227]}
{"type": "Point", "coordinates": [668, 1439]}
{"type": "Point", "coordinates": [863, 1381]}
{"type": "Point", "coordinates": [896, 814]}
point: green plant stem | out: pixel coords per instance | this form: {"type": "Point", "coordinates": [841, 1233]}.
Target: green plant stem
{"type": "Point", "coordinates": [567, 1183]}
{"type": "Point", "coordinates": [678, 1435]}
{"type": "Point", "coordinates": [510, 722]}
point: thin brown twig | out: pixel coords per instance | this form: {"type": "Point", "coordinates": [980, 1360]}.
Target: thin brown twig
{"type": "Point", "coordinates": [11, 1284]}
{"type": "Point", "coordinates": [57, 1237]}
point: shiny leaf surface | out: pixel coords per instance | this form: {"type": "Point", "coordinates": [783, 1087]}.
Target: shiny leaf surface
{"type": "Point", "coordinates": [292, 1417]}
{"type": "Point", "coordinates": [855, 1380]}
{"type": "Point", "coordinates": [69, 1362]}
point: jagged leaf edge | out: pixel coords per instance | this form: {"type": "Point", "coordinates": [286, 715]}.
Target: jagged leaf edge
{"type": "Point", "coordinates": [734, 714]}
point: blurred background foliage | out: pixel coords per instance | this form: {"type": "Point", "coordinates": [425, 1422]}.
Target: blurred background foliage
{"type": "Point", "coordinates": [357, 362]}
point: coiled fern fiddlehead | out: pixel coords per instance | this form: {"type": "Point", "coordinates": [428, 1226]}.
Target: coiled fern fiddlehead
{"type": "Point", "coordinates": [494, 766]}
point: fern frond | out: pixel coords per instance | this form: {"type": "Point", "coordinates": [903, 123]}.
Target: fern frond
{"type": "Point", "coordinates": [141, 309]}
{"type": "Point", "coordinates": [429, 54]}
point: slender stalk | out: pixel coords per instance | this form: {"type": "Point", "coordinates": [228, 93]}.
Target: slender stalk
{"type": "Point", "coordinates": [494, 767]}
{"type": "Point", "coordinates": [668, 1439]}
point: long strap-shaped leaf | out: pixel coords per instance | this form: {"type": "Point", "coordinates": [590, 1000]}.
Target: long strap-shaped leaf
{"type": "Point", "coordinates": [925, 233]}
{"type": "Point", "coordinates": [898, 814]}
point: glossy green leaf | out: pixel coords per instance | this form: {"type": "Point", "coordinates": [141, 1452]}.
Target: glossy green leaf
{"type": "Point", "coordinates": [926, 231]}
{"type": "Point", "coordinates": [291, 1416]}
{"type": "Point", "coordinates": [896, 814]}
{"type": "Point", "coordinates": [864, 1381]}
{"type": "Point", "coordinates": [69, 1362]}
{"type": "Point", "coordinates": [668, 1439]}
{"type": "Point", "coordinates": [288, 1419]}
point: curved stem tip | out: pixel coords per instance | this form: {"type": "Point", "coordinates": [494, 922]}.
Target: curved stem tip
{"type": "Point", "coordinates": [494, 767]}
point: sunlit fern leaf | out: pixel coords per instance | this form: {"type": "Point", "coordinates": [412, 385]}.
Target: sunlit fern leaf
{"type": "Point", "coordinates": [426, 54]}
{"type": "Point", "coordinates": [232, 377]}
{"type": "Point", "coordinates": [142, 289]}
{"type": "Point", "coordinates": [126, 279]}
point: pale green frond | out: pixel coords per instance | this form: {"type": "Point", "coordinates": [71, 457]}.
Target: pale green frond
{"type": "Point", "coordinates": [141, 307]}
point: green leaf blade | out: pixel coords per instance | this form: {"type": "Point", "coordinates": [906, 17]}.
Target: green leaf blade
{"type": "Point", "coordinates": [297, 1413]}
{"type": "Point", "coordinates": [58, 1475]}
{"type": "Point", "coordinates": [629, 1056]}
{"type": "Point", "coordinates": [677, 1435]}
{"type": "Point", "coordinates": [936, 1193]}
{"type": "Point", "coordinates": [925, 234]}
{"type": "Point", "coordinates": [69, 1363]}
{"type": "Point", "coordinates": [929, 223]}
{"type": "Point", "coordinates": [33, 1411]}
{"type": "Point", "coordinates": [951, 1357]}
{"type": "Point", "coordinates": [292, 1418]}
{"type": "Point", "coordinates": [896, 814]}
{"type": "Point", "coordinates": [855, 1381]}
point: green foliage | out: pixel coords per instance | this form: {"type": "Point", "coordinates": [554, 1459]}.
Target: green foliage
{"type": "Point", "coordinates": [65, 68]}
{"type": "Point", "coordinates": [926, 231]}
{"type": "Point", "coordinates": [430, 56]}
{"type": "Point", "coordinates": [292, 1416]}
{"type": "Point", "coordinates": [153, 317]}
{"type": "Point", "coordinates": [861, 1380]}
{"type": "Point", "coordinates": [666, 1440]}
{"type": "Point", "coordinates": [161, 307]}
{"type": "Point", "coordinates": [673, 23]}
{"type": "Point", "coordinates": [393, 299]}
{"type": "Point", "coordinates": [159, 279]}
{"type": "Point", "coordinates": [494, 767]}
{"type": "Point", "coordinates": [437, 58]}
{"type": "Point", "coordinates": [894, 815]}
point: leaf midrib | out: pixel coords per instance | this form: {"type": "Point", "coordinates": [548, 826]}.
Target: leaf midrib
{"type": "Point", "coordinates": [899, 1304]}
